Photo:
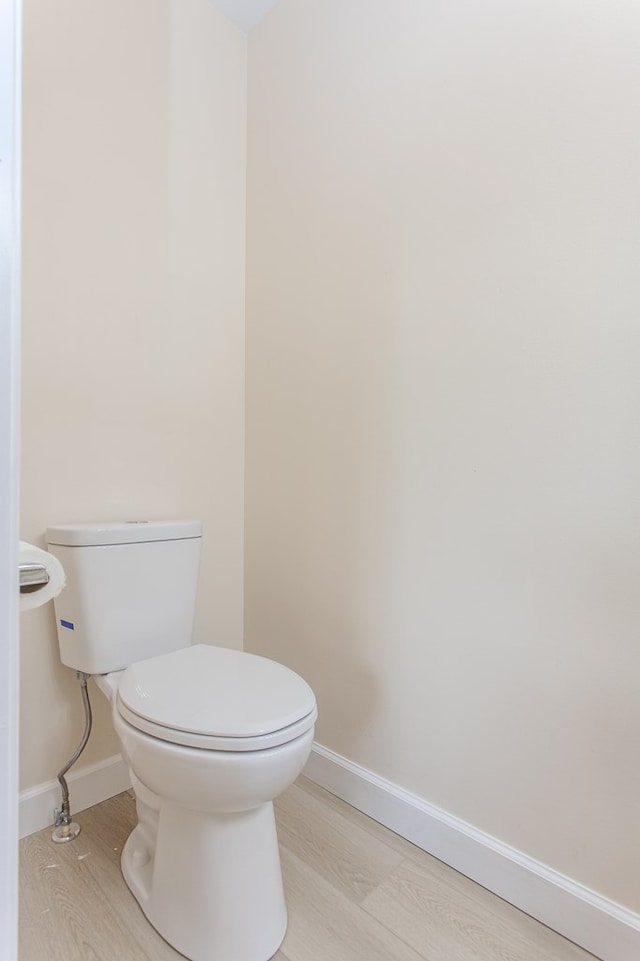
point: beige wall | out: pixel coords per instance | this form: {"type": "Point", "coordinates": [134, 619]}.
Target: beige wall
{"type": "Point", "coordinates": [133, 307]}
{"type": "Point", "coordinates": [442, 364]}
{"type": "Point", "coordinates": [442, 409]}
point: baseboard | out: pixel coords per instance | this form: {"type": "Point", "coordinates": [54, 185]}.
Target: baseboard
{"type": "Point", "coordinates": [87, 786]}
{"type": "Point", "coordinates": [598, 925]}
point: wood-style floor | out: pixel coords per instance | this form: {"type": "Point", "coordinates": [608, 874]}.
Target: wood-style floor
{"type": "Point", "coordinates": [355, 892]}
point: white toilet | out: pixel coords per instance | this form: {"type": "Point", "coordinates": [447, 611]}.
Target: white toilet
{"type": "Point", "coordinates": [211, 736]}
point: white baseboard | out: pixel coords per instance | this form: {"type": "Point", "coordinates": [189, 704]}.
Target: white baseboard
{"type": "Point", "coordinates": [87, 786]}
{"type": "Point", "coordinates": [598, 925]}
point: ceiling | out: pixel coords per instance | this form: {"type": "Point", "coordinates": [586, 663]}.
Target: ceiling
{"type": "Point", "coordinates": [244, 13]}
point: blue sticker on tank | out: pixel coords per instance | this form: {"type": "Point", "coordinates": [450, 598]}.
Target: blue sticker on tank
{"type": "Point", "coordinates": [68, 624]}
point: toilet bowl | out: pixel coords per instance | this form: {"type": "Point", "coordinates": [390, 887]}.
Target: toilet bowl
{"type": "Point", "coordinates": [210, 735]}
{"type": "Point", "coordinates": [205, 773]}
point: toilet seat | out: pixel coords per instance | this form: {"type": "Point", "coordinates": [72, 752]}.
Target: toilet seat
{"type": "Point", "coordinates": [216, 699]}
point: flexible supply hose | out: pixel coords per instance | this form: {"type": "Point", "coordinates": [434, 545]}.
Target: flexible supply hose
{"type": "Point", "coordinates": [65, 828]}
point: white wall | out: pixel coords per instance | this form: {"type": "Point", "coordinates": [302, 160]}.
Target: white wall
{"type": "Point", "coordinates": [133, 297]}
{"type": "Point", "coordinates": [443, 348]}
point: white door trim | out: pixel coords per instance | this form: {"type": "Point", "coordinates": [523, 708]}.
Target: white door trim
{"type": "Point", "coordinates": [10, 94]}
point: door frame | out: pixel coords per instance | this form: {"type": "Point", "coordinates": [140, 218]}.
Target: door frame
{"type": "Point", "coordinates": [10, 193]}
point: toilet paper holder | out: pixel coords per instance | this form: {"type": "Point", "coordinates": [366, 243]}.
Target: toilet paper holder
{"type": "Point", "coordinates": [32, 577]}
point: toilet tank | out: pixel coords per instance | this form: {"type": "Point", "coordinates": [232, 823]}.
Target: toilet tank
{"type": "Point", "coordinates": [130, 591]}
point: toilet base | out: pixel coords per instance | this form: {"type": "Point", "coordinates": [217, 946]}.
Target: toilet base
{"type": "Point", "coordinates": [210, 884]}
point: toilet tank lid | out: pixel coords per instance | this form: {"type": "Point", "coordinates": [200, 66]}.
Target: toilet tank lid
{"type": "Point", "coordinates": [122, 532]}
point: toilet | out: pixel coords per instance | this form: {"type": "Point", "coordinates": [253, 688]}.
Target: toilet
{"type": "Point", "coordinates": [210, 735]}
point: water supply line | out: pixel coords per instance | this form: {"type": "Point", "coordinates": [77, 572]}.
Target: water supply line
{"type": "Point", "coordinates": [65, 828]}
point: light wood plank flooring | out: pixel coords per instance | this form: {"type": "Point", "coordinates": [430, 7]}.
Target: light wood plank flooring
{"type": "Point", "coordinates": [355, 892]}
